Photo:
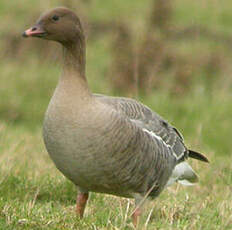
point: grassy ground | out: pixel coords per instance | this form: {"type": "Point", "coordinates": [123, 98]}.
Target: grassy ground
{"type": "Point", "coordinates": [34, 195]}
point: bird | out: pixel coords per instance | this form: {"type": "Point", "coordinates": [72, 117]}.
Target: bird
{"type": "Point", "coordinates": [106, 144]}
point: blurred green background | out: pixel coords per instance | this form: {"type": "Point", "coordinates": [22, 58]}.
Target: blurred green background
{"type": "Point", "coordinates": [173, 55]}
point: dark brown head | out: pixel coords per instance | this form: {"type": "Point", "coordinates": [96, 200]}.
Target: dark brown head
{"type": "Point", "coordinates": [59, 24]}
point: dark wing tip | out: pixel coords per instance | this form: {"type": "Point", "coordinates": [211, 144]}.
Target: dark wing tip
{"type": "Point", "coordinates": [198, 156]}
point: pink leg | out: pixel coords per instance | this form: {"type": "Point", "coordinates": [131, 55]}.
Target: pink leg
{"type": "Point", "coordinates": [81, 202]}
{"type": "Point", "coordinates": [135, 216]}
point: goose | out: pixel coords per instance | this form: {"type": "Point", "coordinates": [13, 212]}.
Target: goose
{"type": "Point", "coordinates": [105, 144]}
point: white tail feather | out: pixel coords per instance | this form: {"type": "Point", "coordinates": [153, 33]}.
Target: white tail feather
{"type": "Point", "coordinates": [183, 174]}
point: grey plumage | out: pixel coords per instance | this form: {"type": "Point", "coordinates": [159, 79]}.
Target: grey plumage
{"type": "Point", "coordinates": [116, 157]}
{"type": "Point", "coordinates": [148, 119]}
{"type": "Point", "coordinates": [126, 158]}
{"type": "Point", "coordinates": [106, 144]}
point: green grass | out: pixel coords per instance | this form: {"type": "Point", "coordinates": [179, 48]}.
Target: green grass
{"type": "Point", "coordinates": [35, 195]}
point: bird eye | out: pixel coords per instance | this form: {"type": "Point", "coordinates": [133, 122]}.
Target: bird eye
{"type": "Point", "coordinates": [55, 18]}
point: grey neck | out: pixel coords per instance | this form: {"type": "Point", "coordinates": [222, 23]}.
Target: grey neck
{"type": "Point", "coordinates": [73, 80]}
{"type": "Point", "coordinates": [74, 57]}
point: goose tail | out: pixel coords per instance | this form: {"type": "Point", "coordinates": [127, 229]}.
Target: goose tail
{"type": "Point", "coordinates": [198, 156]}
